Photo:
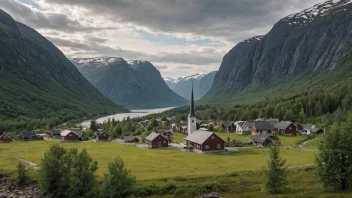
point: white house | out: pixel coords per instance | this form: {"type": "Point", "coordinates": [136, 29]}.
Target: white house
{"type": "Point", "coordinates": [243, 126]}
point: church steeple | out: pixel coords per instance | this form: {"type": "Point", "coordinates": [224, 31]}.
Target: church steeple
{"type": "Point", "coordinates": [191, 111]}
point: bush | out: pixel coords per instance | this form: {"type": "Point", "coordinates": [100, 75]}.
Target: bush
{"type": "Point", "coordinates": [119, 182]}
{"type": "Point", "coordinates": [21, 177]}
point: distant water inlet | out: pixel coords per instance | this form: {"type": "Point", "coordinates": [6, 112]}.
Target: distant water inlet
{"type": "Point", "coordinates": [121, 116]}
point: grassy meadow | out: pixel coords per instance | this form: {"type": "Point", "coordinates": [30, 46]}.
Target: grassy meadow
{"type": "Point", "coordinates": [313, 144]}
{"type": "Point", "coordinates": [151, 164]}
{"type": "Point", "coordinates": [239, 173]}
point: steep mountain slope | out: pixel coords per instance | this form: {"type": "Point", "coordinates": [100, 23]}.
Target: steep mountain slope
{"type": "Point", "coordinates": [314, 41]}
{"type": "Point", "coordinates": [137, 84]}
{"type": "Point", "coordinates": [38, 82]}
{"type": "Point", "coordinates": [182, 86]}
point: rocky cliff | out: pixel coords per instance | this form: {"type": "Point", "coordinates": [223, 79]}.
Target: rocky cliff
{"type": "Point", "coordinates": [316, 39]}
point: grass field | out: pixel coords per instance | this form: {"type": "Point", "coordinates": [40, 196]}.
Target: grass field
{"type": "Point", "coordinates": [312, 144]}
{"type": "Point", "coordinates": [151, 164]}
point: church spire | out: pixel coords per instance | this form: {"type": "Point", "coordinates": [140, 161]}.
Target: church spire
{"type": "Point", "coordinates": [191, 112]}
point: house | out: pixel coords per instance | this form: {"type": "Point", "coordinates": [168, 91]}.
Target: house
{"type": "Point", "coordinates": [243, 127]}
{"type": "Point", "coordinates": [184, 129]}
{"type": "Point", "coordinates": [261, 127]}
{"type": "Point", "coordinates": [203, 126]}
{"type": "Point", "coordinates": [155, 140]}
{"type": "Point", "coordinates": [286, 127]}
{"type": "Point", "coordinates": [130, 139]}
{"type": "Point", "coordinates": [169, 135]}
{"type": "Point", "coordinates": [262, 140]}
{"type": "Point", "coordinates": [4, 138]}
{"type": "Point", "coordinates": [311, 129]}
{"type": "Point", "coordinates": [299, 126]}
{"type": "Point", "coordinates": [229, 126]}
{"type": "Point", "coordinates": [143, 123]}
{"type": "Point", "coordinates": [162, 123]}
{"type": "Point", "coordinates": [205, 141]}
{"type": "Point", "coordinates": [68, 136]}
{"type": "Point", "coordinates": [55, 132]}
{"type": "Point", "coordinates": [29, 135]}
{"type": "Point", "coordinates": [101, 135]}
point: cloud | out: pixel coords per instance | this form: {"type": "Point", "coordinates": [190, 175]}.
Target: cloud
{"type": "Point", "coordinates": [233, 20]}
{"type": "Point", "coordinates": [180, 37]}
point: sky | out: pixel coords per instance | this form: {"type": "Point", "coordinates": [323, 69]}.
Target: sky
{"type": "Point", "coordinates": [180, 37]}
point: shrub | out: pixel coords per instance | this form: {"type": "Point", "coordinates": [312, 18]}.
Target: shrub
{"type": "Point", "coordinates": [21, 177]}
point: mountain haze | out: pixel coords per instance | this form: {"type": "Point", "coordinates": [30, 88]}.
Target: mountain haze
{"type": "Point", "coordinates": [201, 84]}
{"type": "Point", "coordinates": [37, 81]}
{"type": "Point", "coordinates": [137, 84]}
{"type": "Point", "coordinates": [306, 44]}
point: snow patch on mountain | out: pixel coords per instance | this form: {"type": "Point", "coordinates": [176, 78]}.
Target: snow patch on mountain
{"type": "Point", "coordinates": [308, 15]}
{"type": "Point", "coordinates": [98, 62]}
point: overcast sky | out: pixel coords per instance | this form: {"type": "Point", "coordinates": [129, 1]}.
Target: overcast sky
{"type": "Point", "coordinates": [180, 37]}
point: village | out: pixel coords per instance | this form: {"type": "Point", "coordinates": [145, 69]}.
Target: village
{"type": "Point", "coordinates": [192, 136]}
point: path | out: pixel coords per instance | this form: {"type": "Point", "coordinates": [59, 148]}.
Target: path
{"type": "Point", "coordinates": [34, 165]}
{"type": "Point", "coordinates": [301, 146]}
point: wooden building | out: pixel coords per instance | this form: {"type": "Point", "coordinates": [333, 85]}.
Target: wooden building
{"type": "Point", "coordinates": [29, 135]}
{"type": "Point", "coordinates": [5, 138]}
{"type": "Point", "coordinates": [102, 136]}
{"type": "Point", "coordinates": [262, 140]}
{"type": "Point", "coordinates": [285, 127]}
{"type": "Point", "coordinates": [155, 140]}
{"type": "Point", "coordinates": [262, 127]}
{"type": "Point", "coordinates": [205, 141]}
{"type": "Point", "coordinates": [69, 136]}
{"type": "Point", "coordinates": [130, 139]}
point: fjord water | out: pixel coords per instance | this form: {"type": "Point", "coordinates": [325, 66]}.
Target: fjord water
{"type": "Point", "coordinates": [121, 116]}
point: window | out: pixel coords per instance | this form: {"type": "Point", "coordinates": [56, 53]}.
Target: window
{"type": "Point", "coordinates": [192, 121]}
{"type": "Point", "coordinates": [164, 141]}
{"type": "Point", "coordinates": [212, 137]}
{"type": "Point", "coordinates": [290, 128]}
{"type": "Point", "coordinates": [206, 146]}
{"type": "Point", "coordinates": [70, 135]}
{"type": "Point", "coordinates": [219, 146]}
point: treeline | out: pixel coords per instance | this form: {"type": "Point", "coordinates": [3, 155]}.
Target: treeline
{"type": "Point", "coordinates": [128, 126]}
{"type": "Point", "coordinates": [324, 106]}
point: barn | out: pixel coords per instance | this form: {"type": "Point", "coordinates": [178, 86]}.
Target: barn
{"type": "Point", "coordinates": [205, 141]}
{"type": "Point", "coordinates": [155, 140]}
{"type": "Point", "coordinates": [5, 138]}
{"type": "Point", "coordinates": [29, 135]}
{"type": "Point", "coordinates": [68, 136]}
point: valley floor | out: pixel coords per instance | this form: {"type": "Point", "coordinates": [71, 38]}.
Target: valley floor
{"type": "Point", "coordinates": [238, 172]}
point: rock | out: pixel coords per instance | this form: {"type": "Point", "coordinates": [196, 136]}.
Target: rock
{"type": "Point", "coordinates": [212, 195]}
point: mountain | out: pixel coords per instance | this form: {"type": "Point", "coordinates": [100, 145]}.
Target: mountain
{"type": "Point", "coordinates": [137, 84]}
{"type": "Point", "coordinates": [298, 51]}
{"type": "Point", "coordinates": [39, 86]}
{"type": "Point", "coordinates": [182, 86]}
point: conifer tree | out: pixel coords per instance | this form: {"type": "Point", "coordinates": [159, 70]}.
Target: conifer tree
{"type": "Point", "coordinates": [275, 176]}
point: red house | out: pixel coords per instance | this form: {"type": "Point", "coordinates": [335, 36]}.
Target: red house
{"type": "Point", "coordinates": [285, 127]}
{"type": "Point", "coordinates": [68, 135]}
{"type": "Point", "coordinates": [5, 138]}
{"type": "Point", "coordinates": [205, 141]}
{"type": "Point", "coordinates": [155, 140]}
{"type": "Point", "coordinates": [261, 127]}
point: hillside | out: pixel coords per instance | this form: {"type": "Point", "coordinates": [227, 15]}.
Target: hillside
{"type": "Point", "coordinates": [39, 86]}
{"type": "Point", "coordinates": [137, 84]}
{"type": "Point", "coordinates": [182, 86]}
{"type": "Point", "coordinates": [302, 51]}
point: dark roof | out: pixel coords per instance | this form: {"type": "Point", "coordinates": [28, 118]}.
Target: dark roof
{"type": "Point", "coordinates": [282, 125]}
{"type": "Point", "coordinates": [272, 122]}
{"type": "Point", "coordinates": [78, 132]}
{"type": "Point", "coordinates": [191, 112]}
{"type": "Point", "coordinates": [200, 136]}
{"type": "Point", "coordinates": [261, 138]}
{"type": "Point", "coordinates": [28, 134]}
{"type": "Point", "coordinates": [226, 123]}
{"type": "Point", "coordinates": [262, 125]}
{"type": "Point", "coordinates": [55, 131]}
{"type": "Point", "coordinates": [130, 138]}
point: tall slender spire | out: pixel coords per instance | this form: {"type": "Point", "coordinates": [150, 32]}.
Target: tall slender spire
{"type": "Point", "coordinates": [191, 113]}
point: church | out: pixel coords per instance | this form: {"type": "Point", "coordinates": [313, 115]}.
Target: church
{"type": "Point", "coordinates": [201, 141]}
